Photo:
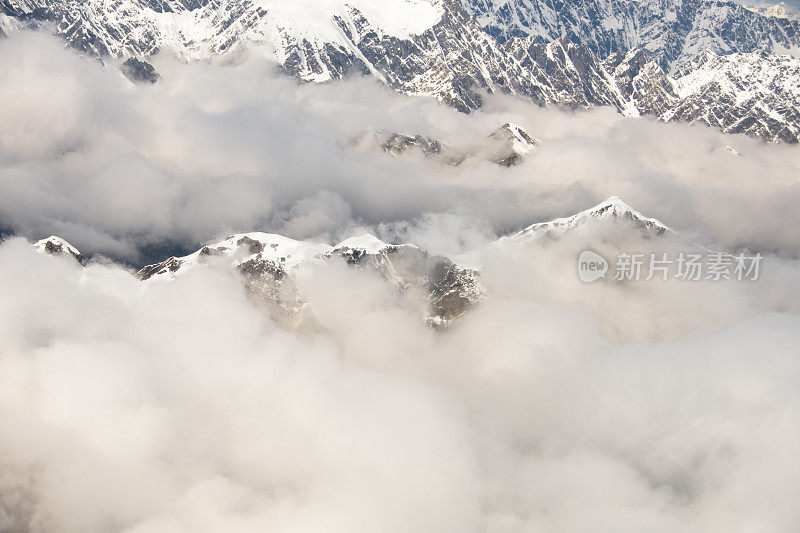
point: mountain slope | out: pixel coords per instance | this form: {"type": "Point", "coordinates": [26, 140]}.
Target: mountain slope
{"type": "Point", "coordinates": [659, 58]}
{"type": "Point", "coordinates": [672, 32]}
{"type": "Point", "coordinates": [757, 94]}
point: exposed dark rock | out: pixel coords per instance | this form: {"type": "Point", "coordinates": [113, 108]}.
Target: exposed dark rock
{"type": "Point", "coordinates": [139, 71]}
{"type": "Point", "coordinates": [169, 265]}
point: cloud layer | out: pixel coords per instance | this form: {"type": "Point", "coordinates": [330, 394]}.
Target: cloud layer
{"type": "Point", "coordinates": [233, 146]}
{"type": "Point", "coordinates": [552, 407]}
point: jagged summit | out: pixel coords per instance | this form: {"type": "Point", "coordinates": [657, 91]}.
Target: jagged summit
{"type": "Point", "coordinates": [239, 250]}
{"type": "Point", "coordinates": [524, 142]}
{"type": "Point", "coordinates": [506, 146]}
{"type": "Point", "coordinates": [612, 206]}
{"type": "Point", "coordinates": [509, 144]}
{"type": "Point", "coordinates": [612, 209]}
{"type": "Point", "coordinates": [398, 144]}
{"type": "Point", "coordinates": [268, 264]}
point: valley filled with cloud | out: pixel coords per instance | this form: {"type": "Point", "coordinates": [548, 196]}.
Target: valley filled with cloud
{"type": "Point", "coordinates": [190, 404]}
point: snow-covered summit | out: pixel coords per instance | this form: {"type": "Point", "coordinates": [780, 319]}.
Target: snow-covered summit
{"type": "Point", "coordinates": [611, 210]}
{"type": "Point", "coordinates": [509, 144]}
{"type": "Point", "coordinates": [55, 245]}
{"type": "Point", "coordinates": [367, 243]}
{"type": "Point", "coordinates": [316, 19]}
{"type": "Point", "coordinates": [522, 141]}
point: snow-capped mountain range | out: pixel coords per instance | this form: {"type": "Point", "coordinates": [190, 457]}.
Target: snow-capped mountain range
{"type": "Point", "coordinates": [269, 262]}
{"type": "Point", "coordinates": [445, 289]}
{"type": "Point", "coordinates": [714, 62]}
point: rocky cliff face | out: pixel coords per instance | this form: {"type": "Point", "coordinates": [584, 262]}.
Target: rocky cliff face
{"type": "Point", "coordinates": [713, 62]}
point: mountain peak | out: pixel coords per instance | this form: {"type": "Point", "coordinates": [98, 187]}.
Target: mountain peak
{"type": "Point", "coordinates": [367, 242]}
{"type": "Point", "coordinates": [510, 143]}
{"type": "Point", "coordinates": [615, 204]}
{"type": "Point", "coordinates": [55, 245]}
{"type": "Point", "coordinates": [517, 133]}
{"type": "Point", "coordinates": [611, 209]}
{"type": "Point", "coordinates": [615, 207]}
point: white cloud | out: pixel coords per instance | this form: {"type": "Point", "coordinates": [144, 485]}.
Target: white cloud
{"type": "Point", "coordinates": [552, 406]}
{"type": "Point", "coordinates": [230, 146]}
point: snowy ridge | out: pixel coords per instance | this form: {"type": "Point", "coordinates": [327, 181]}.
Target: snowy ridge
{"type": "Point", "coordinates": [289, 254]}
{"type": "Point", "coordinates": [366, 243]}
{"type": "Point", "coordinates": [238, 250]}
{"type": "Point", "coordinates": [611, 210]}
{"type": "Point", "coordinates": [283, 253]}
{"type": "Point", "coordinates": [306, 35]}
{"type": "Point", "coordinates": [506, 146]}
{"type": "Point", "coordinates": [268, 262]}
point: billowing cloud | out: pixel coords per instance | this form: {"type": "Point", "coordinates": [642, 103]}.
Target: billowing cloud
{"type": "Point", "coordinates": [552, 406]}
{"type": "Point", "coordinates": [233, 146]}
